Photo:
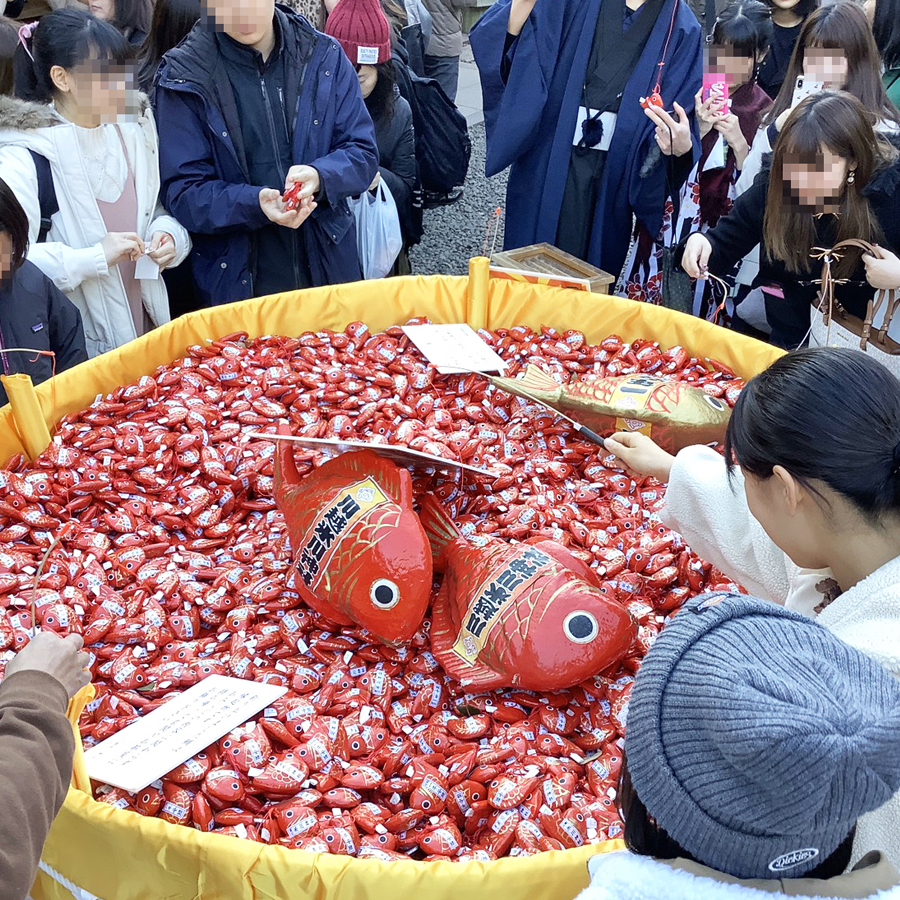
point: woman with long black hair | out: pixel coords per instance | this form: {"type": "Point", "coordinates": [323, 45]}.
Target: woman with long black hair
{"type": "Point", "coordinates": [172, 20]}
{"type": "Point", "coordinates": [97, 141]}
{"type": "Point", "coordinates": [885, 18]}
{"type": "Point", "coordinates": [131, 17]}
{"type": "Point", "coordinates": [788, 17]}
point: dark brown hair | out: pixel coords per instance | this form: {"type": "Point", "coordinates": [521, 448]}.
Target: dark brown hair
{"type": "Point", "coordinates": [835, 121]}
{"type": "Point", "coordinates": [841, 26]}
{"type": "Point", "coordinates": [172, 22]}
{"type": "Point", "coordinates": [644, 836]}
{"type": "Point", "coordinates": [131, 16]}
{"type": "Point", "coordinates": [9, 40]}
{"type": "Point", "coordinates": [13, 222]}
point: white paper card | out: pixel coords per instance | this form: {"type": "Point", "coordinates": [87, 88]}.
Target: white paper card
{"type": "Point", "coordinates": [454, 348]}
{"type": "Point", "coordinates": [145, 269]}
{"type": "Point", "coordinates": [367, 56]}
{"type": "Point", "coordinates": [397, 453]}
{"type": "Point", "coordinates": [144, 751]}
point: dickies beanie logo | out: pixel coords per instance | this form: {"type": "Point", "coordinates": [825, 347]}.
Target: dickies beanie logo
{"type": "Point", "coordinates": [788, 861]}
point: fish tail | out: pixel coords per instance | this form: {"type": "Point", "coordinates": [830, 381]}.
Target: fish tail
{"type": "Point", "coordinates": [286, 473]}
{"type": "Point", "coordinates": [439, 529]}
{"type": "Point", "coordinates": [536, 379]}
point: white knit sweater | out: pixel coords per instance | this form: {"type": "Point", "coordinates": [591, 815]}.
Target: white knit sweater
{"type": "Point", "coordinates": [716, 523]}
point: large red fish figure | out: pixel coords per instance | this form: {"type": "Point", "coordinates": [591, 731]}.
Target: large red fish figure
{"type": "Point", "coordinates": [523, 615]}
{"type": "Point", "coordinates": [360, 553]}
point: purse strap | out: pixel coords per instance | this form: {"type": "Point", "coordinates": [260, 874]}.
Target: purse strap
{"type": "Point", "coordinates": [827, 290]}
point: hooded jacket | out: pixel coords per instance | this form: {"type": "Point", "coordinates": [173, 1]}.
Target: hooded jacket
{"type": "Point", "coordinates": [715, 521]}
{"type": "Point", "coordinates": [203, 159]}
{"type": "Point", "coordinates": [626, 876]}
{"type": "Point", "coordinates": [72, 256]}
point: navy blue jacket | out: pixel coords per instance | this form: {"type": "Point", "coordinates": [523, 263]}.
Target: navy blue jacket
{"type": "Point", "coordinates": [203, 166]}
{"type": "Point", "coordinates": [531, 113]}
{"type": "Point", "coordinates": [35, 314]}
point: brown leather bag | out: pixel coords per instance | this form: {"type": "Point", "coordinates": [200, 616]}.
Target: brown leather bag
{"type": "Point", "coordinates": [833, 326]}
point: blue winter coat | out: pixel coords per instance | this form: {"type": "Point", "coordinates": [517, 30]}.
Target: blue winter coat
{"type": "Point", "coordinates": [531, 116]}
{"type": "Point", "coordinates": [204, 184]}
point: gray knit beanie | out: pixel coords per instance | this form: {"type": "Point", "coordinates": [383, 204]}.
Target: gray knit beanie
{"type": "Point", "coordinates": [756, 738]}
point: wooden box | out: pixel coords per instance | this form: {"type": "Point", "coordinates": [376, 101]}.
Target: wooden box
{"type": "Point", "coordinates": [550, 260]}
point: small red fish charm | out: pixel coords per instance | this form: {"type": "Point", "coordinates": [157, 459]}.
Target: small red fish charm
{"type": "Point", "coordinates": [361, 555]}
{"type": "Point", "coordinates": [523, 615]}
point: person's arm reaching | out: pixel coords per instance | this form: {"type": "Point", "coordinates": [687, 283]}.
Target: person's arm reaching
{"type": "Point", "coordinates": [516, 57]}
{"type": "Point", "coordinates": [710, 512]}
{"type": "Point", "coordinates": [36, 749]}
{"type": "Point", "coordinates": [733, 237]}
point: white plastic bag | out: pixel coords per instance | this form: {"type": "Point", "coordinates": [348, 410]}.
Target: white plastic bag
{"type": "Point", "coordinates": [378, 237]}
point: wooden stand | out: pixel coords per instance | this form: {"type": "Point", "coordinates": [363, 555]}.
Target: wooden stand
{"type": "Point", "coordinates": [549, 260]}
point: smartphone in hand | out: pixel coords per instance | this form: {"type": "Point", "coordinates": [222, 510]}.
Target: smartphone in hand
{"type": "Point", "coordinates": [805, 87]}
{"type": "Point", "coordinates": [716, 85]}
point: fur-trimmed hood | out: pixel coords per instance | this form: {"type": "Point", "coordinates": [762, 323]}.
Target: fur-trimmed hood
{"type": "Point", "coordinates": [22, 115]}
{"type": "Point", "coordinates": [626, 876]}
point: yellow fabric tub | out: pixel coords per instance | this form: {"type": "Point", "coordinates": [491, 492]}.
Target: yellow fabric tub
{"type": "Point", "coordinates": [95, 851]}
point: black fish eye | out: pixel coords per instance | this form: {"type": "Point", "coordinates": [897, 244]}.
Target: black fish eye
{"type": "Point", "coordinates": [580, 627]}
{"type": "Point", "coordinates": [384, 594]}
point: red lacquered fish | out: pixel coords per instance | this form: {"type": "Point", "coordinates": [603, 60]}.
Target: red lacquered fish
{"type": "Point", "coordinates": [524, 615]}
{"type": "Point", "coordinates": [360, 552]}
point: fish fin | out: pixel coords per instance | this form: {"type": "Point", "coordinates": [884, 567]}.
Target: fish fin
{"type": "Point", "coordinates": [439, 529]}
{"type": "Point", "coordinates": [443, 637]}
{"type": "Point", "coordinates": [482, 678]}
{"type": "Point", "coordinates": [568, 561]}
{"type": "Point", "coordinates": [536, 379]}
{"type": "Point", "coordinates": [396, 481]}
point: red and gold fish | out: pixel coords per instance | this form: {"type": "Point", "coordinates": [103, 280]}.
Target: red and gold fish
{"type": "Point", "coordinates": [674, 413]}
{"type": "Point", "coordinates": [523, 615]}
{"type": "Point", "coordinates": [361, 554]}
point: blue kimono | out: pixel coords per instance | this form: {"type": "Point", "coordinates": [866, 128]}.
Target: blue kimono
{"type": "Point", "coordinates": [531, 117]}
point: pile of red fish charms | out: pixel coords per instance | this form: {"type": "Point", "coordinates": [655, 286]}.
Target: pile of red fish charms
{"type": "Point", "coordinates": [169, 556]}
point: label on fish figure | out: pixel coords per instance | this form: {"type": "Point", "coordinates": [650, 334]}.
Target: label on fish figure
{"type": "Point", "coordinates": [633, 425]}
{"type": "Point", "coordinates": [494, 597]}
{"type": "Point", "coordinates": [633, 393]}
{"type": "Point", "coordinates": [301, 826]}
{"type": "Point", "coordinates": [322, 539]}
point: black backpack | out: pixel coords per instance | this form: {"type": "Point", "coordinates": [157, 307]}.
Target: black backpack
{"type": "Point", "coordinates": [443, 147]}
{"type": "Point", "coordinates": [46, 194]}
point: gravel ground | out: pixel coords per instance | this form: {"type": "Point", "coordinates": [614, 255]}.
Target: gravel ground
{"type": "Point", "coordinates": [455, 233]}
